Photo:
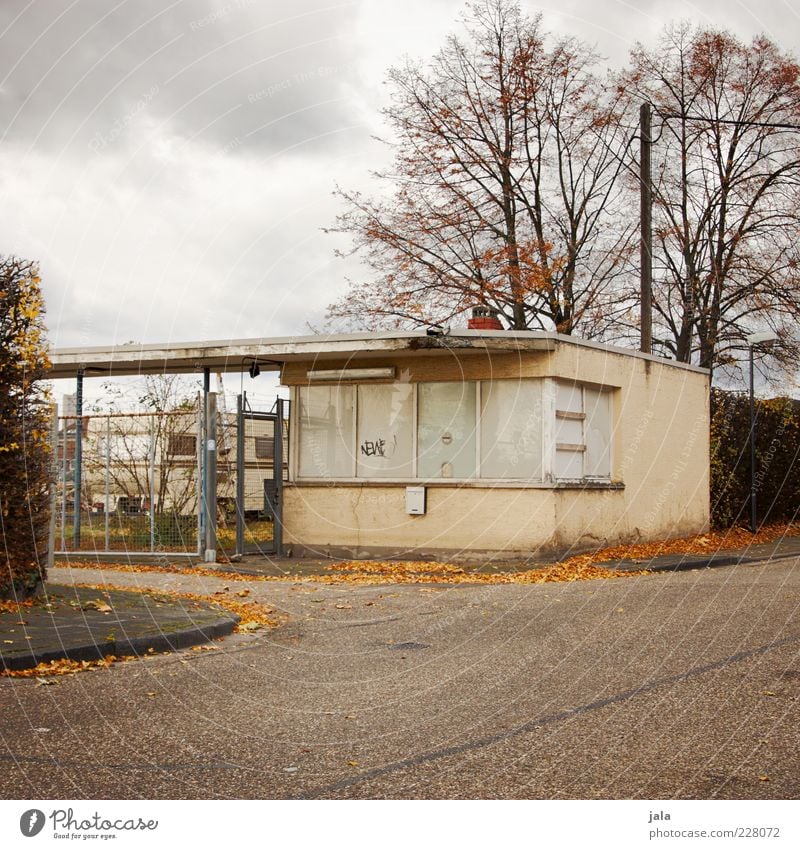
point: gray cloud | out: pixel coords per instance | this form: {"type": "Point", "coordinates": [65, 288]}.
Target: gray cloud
{"type": "Point", "coordinates": [171, 164]}
{"type": "Point", "coordinates": [89, 75]}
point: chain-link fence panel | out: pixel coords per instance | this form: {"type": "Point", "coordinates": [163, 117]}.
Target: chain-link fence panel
{"type": "Point", "coordinates": [128, 482]}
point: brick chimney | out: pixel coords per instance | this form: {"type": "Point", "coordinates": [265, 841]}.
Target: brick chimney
{"type": "Point", "coordinates": [484, 318]}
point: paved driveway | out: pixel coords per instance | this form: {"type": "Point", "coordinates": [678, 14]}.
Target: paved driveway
{"type": "Point", "coordinates": [671, 685]}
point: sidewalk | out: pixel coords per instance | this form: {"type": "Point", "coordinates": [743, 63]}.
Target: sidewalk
{"type": "Point", "coordinates": [288, 567]}
{"type": "Point", "coordinates": [88, 624]}
{"type": "Point", "coordinates": [783, 549]}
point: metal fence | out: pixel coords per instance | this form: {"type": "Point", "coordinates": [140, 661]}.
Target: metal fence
{"type": "Point", "coordinates": [140, 477]}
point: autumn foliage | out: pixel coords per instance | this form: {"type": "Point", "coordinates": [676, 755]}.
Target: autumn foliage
{"type": "Point", "coordinates": [503, 187]}
{"type": "Point", "coordinates": [25, 461]}
{"type": "Point", "coordinates": [515, 184]}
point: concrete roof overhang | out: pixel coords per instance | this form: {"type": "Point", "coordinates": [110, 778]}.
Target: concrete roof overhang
{"type": "Point", "coordinates": [236, 355]}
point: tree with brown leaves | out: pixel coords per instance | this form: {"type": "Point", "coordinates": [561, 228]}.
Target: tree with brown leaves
{"type": "Point", "coordinates": [25, 454]}
{"type": "Point", "coordinates": [726, 191]}
{"type": "Point", "coordinates": [503, 186]}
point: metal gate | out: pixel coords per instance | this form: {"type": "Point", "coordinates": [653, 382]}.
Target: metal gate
{"type": "Point", "coordinates": [262, 468]}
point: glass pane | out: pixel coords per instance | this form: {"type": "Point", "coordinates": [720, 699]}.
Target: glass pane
{"type": "Point", "coordinates": [598, 433]}
{"type": "Point", "coordinates": [385, 413]}
{"type": "Point", "coordinates": [446, 430]}
{"type": "Point", "coordinates": [511, 429]}
{"type": "Point", "coordinates": [326, 431]}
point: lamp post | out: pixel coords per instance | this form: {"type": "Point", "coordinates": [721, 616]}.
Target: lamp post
{"type": "Point", "coordinates": [755, 340]}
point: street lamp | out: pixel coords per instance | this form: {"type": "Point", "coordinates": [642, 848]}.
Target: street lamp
{"type": "Point", "coordinates": [755, 340]}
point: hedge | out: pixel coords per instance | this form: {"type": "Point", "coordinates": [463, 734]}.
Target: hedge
{"type": "Point", "coordinates": [777, 463]}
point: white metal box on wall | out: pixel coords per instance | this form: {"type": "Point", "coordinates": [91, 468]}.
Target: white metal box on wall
{"type": "Point", "coordinates": [415, 500]}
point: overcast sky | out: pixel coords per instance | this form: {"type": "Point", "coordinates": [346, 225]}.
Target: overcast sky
{"type": "Point", "coordinates": [171, 164]}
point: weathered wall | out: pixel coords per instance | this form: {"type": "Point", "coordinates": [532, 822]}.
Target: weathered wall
{"type": "Point", "coordinates": [660, 470]}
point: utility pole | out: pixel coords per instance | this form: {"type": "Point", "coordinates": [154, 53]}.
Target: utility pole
{"type": "Point", "coordinates": [646, 224]}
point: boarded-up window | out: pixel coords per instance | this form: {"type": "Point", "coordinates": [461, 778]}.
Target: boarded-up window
{"type": "Point", "coordinates": [511, 429]}
{"type": "Point", "coordinates": [446, 430]}
{"type": "Point", "coordinates": [326, 431]}
{"type": "Point", "coordinates": [182, 445]}
{"type": "Point", "coordinates": [385, 430]}
{"type": "Point", "coordinates": [582, 432]}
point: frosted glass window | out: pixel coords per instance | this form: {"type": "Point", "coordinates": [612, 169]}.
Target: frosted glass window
{"type": "Point", "coordinates": [446, 430]}
{"type": "Point", "coordinates": [326, 425]}
{"type": "Point", "coordinates": [511, 429]}
{"type": "Point", "coordinates": [597, 427]}
{"type": "Point", "coordinates": [385, 430]}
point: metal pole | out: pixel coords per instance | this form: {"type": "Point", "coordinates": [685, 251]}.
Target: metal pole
{"type": "Point", "coordinates": [152, 483]}
{"type": "Point", "coordinates": [64, 488]}
{"type": "Point", "coordinates": [646, 223]}
{"type": "Point", "coordinates": [211, 478]}
{"type": "Point", "coordinates": [77, 483]}
{"type": "Point", "coordinates": [277, 471]}
{"type": "Point", "coordinates": [51, 536]}
{"type": "Point", "coordinates": [240, 474]}
{"type": "Point", "coordinates": [753, 520]}
{"type": "Point", "coordinates": [200, 460]}
{"type": "Point", "coordinates": [204, 469]}
{"type": "Point", "coordinates": [108, 480]}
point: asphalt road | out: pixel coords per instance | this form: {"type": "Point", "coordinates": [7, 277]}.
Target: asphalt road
{"type": "Point", "coordinates": [679, 685]}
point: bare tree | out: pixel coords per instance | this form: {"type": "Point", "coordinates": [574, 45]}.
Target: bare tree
{"type": "Point", "coordinates": [726, 190]}
{"type": "Point", "coordinates": [504, 185]}
{"type": "Point", "coordinates": [167, 439]}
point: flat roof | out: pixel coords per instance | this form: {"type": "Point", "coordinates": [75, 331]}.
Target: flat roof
{"type": "Point", "coordinates": [236, 355]}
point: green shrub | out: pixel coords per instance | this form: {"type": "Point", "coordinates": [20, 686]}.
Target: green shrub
{"type": "Point", "coordinates": [777, 462]}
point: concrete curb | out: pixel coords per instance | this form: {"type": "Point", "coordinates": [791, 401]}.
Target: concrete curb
{"type": "Point", "coordinates": [134, 646]}
{"type": "Point", "coordinates": [688, 565]}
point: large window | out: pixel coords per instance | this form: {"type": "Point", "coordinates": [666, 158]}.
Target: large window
{"type": "Point", "coordinates": [493, 430]}
{"type": "Point", "coordinates": [511, 429]}
{"type": "Point", "coordinates": [385, 430]}
{"type": "Point", "coordinates": [446, 430]}
{"type": "Point", "coordinates": [327, 428]}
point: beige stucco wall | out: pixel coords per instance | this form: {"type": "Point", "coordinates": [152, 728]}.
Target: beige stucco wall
{"type": "Point", "coordinates": [659, 469]}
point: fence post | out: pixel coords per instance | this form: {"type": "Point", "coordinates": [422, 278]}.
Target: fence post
{"type": "Point", "coordinates": [240, 474]}
{"type": "Point", "coordinates": [211, 478]}
{"type": "Point", "coordinates": [78, 471]}
{"type": "Point", "coordinates": [108, 482]}
{"type": "Point", "coordinates": [63, 475]}
{"type": "Point", "coordinates": [277, 471]}
{"type": "Point", "coordinates": [152, 483]}
{"type": "Point", "coordinates": [51, 535]}
{"type": "Point", "coordinates": [200, 460]}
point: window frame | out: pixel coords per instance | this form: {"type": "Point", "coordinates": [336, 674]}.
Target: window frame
{"type": "Point", "coordinates": [548, 479]}
{"type": "Point", "coordinates": [583, 417]}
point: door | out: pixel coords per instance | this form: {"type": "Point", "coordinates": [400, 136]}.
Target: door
{"type": "Point", "coordinates": [262, 468]}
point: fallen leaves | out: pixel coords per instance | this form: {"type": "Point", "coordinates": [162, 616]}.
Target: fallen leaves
{"type": "Point", "coordinates": [15, 606]}
{"type": "Point", "coordinates": [250, 613]}
{"type": "Point", "coordinates": [97, 604]}
{"type": "Point", "coordinates": [43, 671]}
{"type": "Point", "coordinates": [708, 543]}
{"type": "Point", "coordinates": [581, 567]}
